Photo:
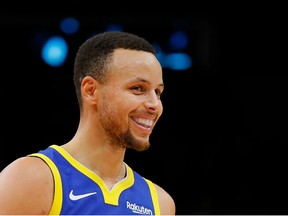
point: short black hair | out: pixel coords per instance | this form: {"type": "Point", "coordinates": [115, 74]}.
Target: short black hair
{"type": "Point", "coordinates": [94, 55]}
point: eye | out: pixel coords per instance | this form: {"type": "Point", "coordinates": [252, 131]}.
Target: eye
{"type": "Point", "coordinates": [158, 92]}
{"type": "Point", "coordinates": [137, 89]}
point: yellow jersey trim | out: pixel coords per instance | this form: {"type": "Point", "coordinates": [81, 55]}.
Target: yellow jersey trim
{"type": "Point", "coordinates": [110, 196]}
{"type": "Point", "coordinates": [154, 196]}
{"type": "Point", "coordinates": [57, 200]}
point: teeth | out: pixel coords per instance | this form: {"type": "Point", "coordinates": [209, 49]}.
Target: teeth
{"type": "Point", "coordinates": [144, 122]}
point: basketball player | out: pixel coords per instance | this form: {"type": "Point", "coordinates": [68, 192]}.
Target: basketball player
{"type": "Point", "coordinates": [118, 82]}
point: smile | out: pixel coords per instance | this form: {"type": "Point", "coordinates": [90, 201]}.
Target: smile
{"type": "Point", "coordinates": [144, 122]}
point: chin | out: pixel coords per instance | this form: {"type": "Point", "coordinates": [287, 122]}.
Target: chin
{"type": "Point", "coordinates": [139, 145]}
{"type": "Point", "coordinates": [137, 142]}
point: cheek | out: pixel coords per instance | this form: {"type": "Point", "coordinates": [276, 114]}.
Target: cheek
{"type": "Point", "coordinates": [160, 108]}
{"type": "Point", "coordinates": [117, 106]}
{"type": "Point", "coordinates": [160, 111]}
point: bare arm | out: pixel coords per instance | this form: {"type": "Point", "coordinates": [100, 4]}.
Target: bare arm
{"type": "Point", "coordinates": [166, 202]}
{"type": "Point", "coordinates": [26, 187]}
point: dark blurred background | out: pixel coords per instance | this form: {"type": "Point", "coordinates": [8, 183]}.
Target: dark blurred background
{"type": "Point", "coordinates": [221, 145]}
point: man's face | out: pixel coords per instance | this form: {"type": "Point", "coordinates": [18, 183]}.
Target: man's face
{"type": "Point", "coordinates": [130, 105]}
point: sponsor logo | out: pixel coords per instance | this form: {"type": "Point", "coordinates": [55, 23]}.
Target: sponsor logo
{"type": "Point", "coordinates": [138, 209]}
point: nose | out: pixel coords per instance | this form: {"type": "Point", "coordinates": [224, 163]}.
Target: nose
{"type": "Point", "coordinates": [153, 101]}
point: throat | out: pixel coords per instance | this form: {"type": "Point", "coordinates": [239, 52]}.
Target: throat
{"type": "Point", "coordinates": [111, 182]}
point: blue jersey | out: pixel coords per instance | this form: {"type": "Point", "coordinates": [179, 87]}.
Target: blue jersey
{"type": "Point", "coordinates": [78, 190]}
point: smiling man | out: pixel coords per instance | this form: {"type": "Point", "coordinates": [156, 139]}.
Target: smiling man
{"type": "Point", "coordinates": [118, 82]}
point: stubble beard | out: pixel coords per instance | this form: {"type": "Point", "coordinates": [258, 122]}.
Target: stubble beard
{"type": "Point", "coordinates": [112, 126]}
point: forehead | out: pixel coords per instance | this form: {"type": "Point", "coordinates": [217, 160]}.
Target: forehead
{"type": "Point", "coordinates": [132, 64]}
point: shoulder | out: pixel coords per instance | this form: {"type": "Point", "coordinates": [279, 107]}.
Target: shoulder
{"type": "Point", "coordinates": [26, 177]}
{"type": "Point", "coordinates": [166, 202]}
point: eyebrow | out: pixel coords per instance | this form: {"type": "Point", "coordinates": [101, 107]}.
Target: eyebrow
{"type": "Point", "coordinates": [145, 81]}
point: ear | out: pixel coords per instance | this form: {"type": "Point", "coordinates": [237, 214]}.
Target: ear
{"type": "Point", "coordinates": [89, 89]}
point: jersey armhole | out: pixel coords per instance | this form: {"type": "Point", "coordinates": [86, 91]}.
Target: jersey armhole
{"type": "Point", "coordinates": [154, 196]}
{"type": "Point", "coordinates": [57, 200]}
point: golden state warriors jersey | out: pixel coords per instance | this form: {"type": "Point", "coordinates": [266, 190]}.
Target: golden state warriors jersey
{"type": "Point", "coordinates": [78, 190]}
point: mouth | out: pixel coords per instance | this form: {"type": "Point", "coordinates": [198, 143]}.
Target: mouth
{"type": "Point", "coordinates": [147, 123]}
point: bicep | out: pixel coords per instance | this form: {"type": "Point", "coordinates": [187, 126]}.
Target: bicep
{"type": "Point", "coordinates": [26, 187]}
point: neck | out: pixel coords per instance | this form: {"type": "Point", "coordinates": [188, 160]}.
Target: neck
{"type": "Point", "coordinates": [104, 160]}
